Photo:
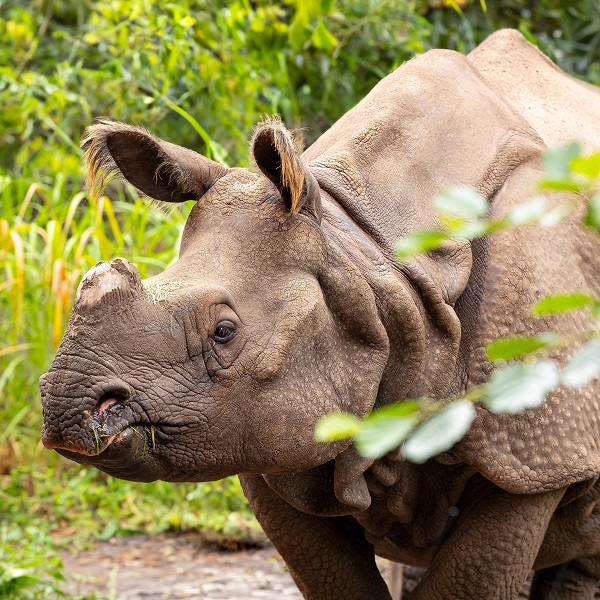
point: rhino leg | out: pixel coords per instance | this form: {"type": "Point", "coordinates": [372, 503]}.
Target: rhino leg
{"type": "Point", "coordinates": [489, 552]}
{"type": "Point", "coordinates": [328, 558]}
{"type": "Point", "coordinates": [575, 580]}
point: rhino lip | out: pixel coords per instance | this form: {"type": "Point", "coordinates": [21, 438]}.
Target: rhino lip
{"type": "Point", "coordinates": [107, 423]}
{"type": "Point", "coordinates": [109, 426]}
{"type": "Point", "coordinates": [112, 420]}
{"type": "Point", "coordinates": [114, 449]}
{"type": "Point", "coordinates": [128, 454]}
{"type": "Point", "coordinates": [105, 438]}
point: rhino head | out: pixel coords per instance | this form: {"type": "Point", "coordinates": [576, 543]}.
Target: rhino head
{"type": "Point", "coordinates": [224, 362]}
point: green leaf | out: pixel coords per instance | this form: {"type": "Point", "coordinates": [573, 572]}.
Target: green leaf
{"type": "Point", "coordinates": [583, 367]}
{"type": "Point", "coordinates": [379, 434]}
{"type": "Point", "coordinates": [560, 303]}
{"type": "Point", "coordinates": [556, 215]}
{"type": "Point", "coordinates": [322, 38]}
{"type": "Point", "coordinates": [592, 217]}
{"type": "Point", "coordinates": [595, 308]}
{"type": "Point", "coordinates": [559, 185]}
{"type": "Point", "coordinates": [440, 432]}
{"type": "Point", "coordinates": [527, 212]}
{"type": "Point", "coordinates": [299, 31]}
{"type": "Point", "coordinates": [298, 34]}
{"type": "Point", "coordinates": [521, 386]}
{"type": "Point", "coordinates": [419, 242]}
{"type": "Point", "coordinates": [9, 573]}
{"type": "Point", "coordinates": [213, 149]}
{"type": "Point", "coordinates": [462, 201]}
{"type": "Point", "coordinates": [557, 162]}
{"type": "Point", "coordinates": [513, 347]}
{"type": "Point", "coordinates": [91, 38]}
{"type": "Point", "coordinates": [336, 426]}
{"type": "Point", "coordinates": [470, 230]}
{"type": "Point", "coordinates": [589, 166]}
{"type": "Point", "coordinates": [187, 22]}
{"type": "Point", "coordinates": [454, 5]}
{"type": "Point", "coordinates": [110, 529]}
{"type": "Point", "coordinates": [404, 408]}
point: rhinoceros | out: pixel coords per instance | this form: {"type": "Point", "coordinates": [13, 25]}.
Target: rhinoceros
{"type": "Point", "coordinates": [286, 304]}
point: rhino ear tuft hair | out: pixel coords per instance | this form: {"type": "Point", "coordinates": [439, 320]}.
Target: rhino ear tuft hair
{"type": "Point", "coordinates": [158, 169]}
{"type": "Point", "coordinates": [276, 152]}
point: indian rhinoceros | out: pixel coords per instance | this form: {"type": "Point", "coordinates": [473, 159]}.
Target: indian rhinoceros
{"type": "Point", "coordinates": [286, 304]}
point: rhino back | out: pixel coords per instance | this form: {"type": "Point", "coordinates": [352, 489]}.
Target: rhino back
{"type": "Point", "coordinates": [559, 107]}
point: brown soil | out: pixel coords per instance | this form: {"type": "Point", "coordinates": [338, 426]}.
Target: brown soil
{"type": "Point", "coordinates": [170, 567]}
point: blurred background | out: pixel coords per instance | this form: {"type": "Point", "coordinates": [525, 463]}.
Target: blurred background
{"type": "Point", "coordinates": [200, 74]}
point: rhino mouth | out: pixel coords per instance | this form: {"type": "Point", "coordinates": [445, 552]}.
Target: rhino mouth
{"type": "Point", "coordinates": [127, 454]}
{"type": "Point", "coordinates": [108, 423]}
{"type": "Point", "coordinates": [112, 424]}
{"type": "Point", "coordinates": [129, 441]}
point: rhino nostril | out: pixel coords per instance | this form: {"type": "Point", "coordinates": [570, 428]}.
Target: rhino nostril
{"type": "Point", "coordinates": [110, 399]}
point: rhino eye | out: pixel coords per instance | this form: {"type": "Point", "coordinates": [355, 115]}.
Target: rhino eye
{"type": "Point", "coordinates": [224, 332]}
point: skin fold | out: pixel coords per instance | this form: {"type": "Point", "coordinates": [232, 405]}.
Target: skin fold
{"type": "Point", "coordinates": [286, 304]}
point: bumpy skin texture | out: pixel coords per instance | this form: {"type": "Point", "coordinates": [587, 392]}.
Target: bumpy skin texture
{"type": "Point", "coordinates": [286, 304]}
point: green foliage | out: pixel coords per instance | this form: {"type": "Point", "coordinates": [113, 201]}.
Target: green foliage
{"type": "Point", "coordinates": [568, 33]}
{"type": "Point", "coordinates": [441, 432]}
{"type": "Point", "coordinates": [380, 433]}
{"type": "Point", "coordinates": [44, 510]}
{"type": "Point", "coordinates": [557, 167]}
{"type": "Point", "coordinates": [418, 242]}
{"type": "Point", "coordinates": [520, 386]}
{"type": "Point", "coordinates": [30, 567]}
{"type": "Point", "coordinates": [583, 367]}
{"type": "Point", "coordinates": [462, 218]}
{"type": "Point", "coordinates": [560, 303]}
{"type": "Point", "coordinates": [225, 64]}
{"type": "Point", "coordinates": [336, 426]}
{"type": "Point", "coordinates": [510, 348]}
{"type": "Point", "coordinates": [86, 504]}
{"type": "Point", "coordinates": [462, 202]}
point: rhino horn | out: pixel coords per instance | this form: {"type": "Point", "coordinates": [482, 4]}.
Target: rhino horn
{"type": "Point", "coordinates": [117, 281]}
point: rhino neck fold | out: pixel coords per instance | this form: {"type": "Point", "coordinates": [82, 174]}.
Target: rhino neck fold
{"type": "Point", "coordinates": [422, 327]}
{"type": "Point", "coordinates": [423, 336]}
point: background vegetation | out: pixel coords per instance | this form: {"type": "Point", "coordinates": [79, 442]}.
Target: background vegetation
{"type": "Point", "coordinates": [201, 74]}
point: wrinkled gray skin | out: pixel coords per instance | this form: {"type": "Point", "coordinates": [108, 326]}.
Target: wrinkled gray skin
{"type": "Point", "coordinates": [286, 304]}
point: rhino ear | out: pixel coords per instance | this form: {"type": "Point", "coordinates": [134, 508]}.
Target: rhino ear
{"type": "Point", "coordinates": [276, 153]}
{"type": "Point", "coordinates": [158, 169]}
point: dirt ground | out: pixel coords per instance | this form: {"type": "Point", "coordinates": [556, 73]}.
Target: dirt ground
{"type": "Point", "coordinates": [170, 567]}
